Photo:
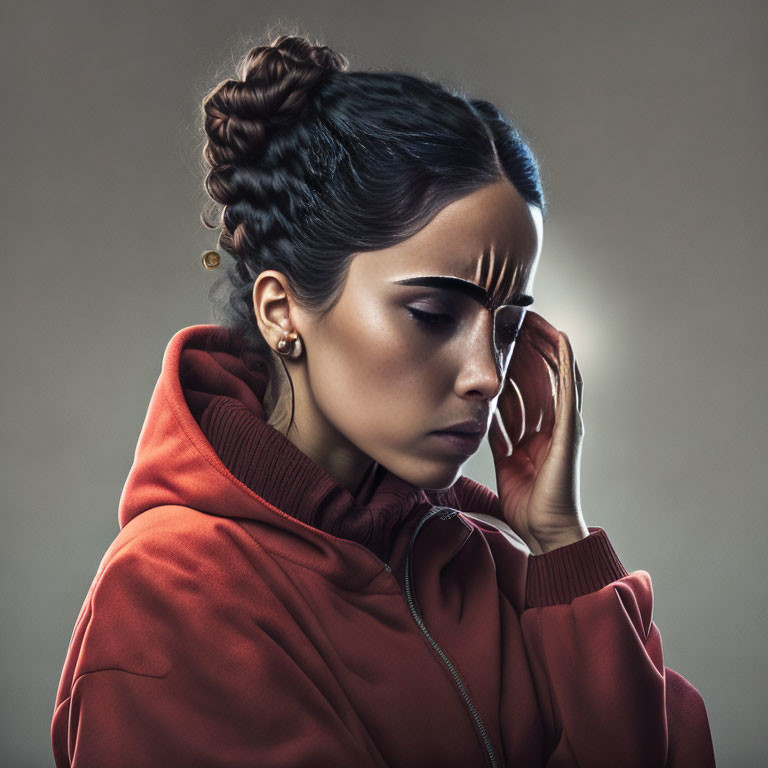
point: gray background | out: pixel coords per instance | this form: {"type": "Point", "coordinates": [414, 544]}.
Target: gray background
{"type": "Point", "coordinates": [649, 120]}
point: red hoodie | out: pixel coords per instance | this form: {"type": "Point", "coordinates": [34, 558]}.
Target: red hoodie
{"type": "Point", "coordinates": [250, 612]}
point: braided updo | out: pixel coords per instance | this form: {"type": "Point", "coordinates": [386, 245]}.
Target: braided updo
{"type": "Point", "coordinates": [314, 163]}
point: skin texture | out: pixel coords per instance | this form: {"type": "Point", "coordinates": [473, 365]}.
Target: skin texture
{"type": "Point", "coordinates": [372, 381]}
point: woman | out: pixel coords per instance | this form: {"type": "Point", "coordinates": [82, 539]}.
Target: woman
{"type": "Point", "coordinates": [303, 576]}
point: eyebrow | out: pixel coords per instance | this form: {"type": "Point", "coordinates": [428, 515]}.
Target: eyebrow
{"type": "Point", "coordinates": [474, 291]}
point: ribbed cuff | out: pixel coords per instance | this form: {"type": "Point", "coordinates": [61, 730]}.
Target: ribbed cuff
{"type": "Point", "coordinates": [558, 576]}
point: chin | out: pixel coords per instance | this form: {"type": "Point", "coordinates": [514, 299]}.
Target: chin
{"type": "Point", "coordinates": [433, 478]}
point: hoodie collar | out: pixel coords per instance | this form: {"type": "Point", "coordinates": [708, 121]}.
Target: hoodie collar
{"type": "Point", "coordinates": [267, 462]}
{"type": "Point", "coordinates": [208, 404]}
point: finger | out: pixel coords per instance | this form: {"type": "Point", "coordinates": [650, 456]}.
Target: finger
{"type": "Point", "coordinates": [498, 438]}
{"type": "Point", "coordinates": [511, 410]}
{"type": "Point", "coordinates": [574, 374]}
{"type": "Point", "coordinates": [566, 390]}
{"type": "Point", "coordinates": [535, 325]}
{"type": "Point", "coordinates": [527, 404]}
{"type": "Point", "coordinates": [579, 384]}
{"type": "Point", "coordinates": [550, 359]}
{"type": "Point", "coordinates": [543, 336]}
{"type": "Point", "coordinates": [570, 407]}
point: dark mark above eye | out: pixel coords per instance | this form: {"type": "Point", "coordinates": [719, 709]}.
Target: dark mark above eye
{"type": "Point", "coordinates": [474, 291]}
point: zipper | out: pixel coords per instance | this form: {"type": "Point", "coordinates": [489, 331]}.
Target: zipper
{"type": "Point", "coordinates": [445, 514]}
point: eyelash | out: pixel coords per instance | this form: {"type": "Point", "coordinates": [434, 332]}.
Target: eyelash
{"type": "Point", "coordinates": [429, 318]}
{"type": "Point", "coordinates": [432, 319]}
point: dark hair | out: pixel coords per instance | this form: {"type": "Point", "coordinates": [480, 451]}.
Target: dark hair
{"type": "Point", "coordinates": [314, 163]}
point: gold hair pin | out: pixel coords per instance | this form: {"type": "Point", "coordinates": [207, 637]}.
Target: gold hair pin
{"type": "Point", "coordinates": [211, 259]}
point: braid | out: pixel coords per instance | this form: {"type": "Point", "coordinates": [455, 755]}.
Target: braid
{"type": "Point", "coordinates": [275, 81]}
{"type": "Point", "coordinates": [254, 149]}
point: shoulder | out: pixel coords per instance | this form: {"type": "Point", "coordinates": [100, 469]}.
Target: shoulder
{"type": "Point", "coordinates": [171, 534]}
{"type": "Point", "coordinates": [173, 576]}
{"type": "Point", "coordinates": [176, 544]}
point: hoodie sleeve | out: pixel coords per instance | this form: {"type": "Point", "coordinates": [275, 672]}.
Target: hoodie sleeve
{"type": "Point", "coordinates": [606, 697]}
{"type": "Point", "coordinates": [177, 660]}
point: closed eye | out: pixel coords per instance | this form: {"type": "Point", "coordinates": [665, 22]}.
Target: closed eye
{"type": "Point", "coordinates": [508, 333]}
{"type": "Point", "coordinates": [429, 318]}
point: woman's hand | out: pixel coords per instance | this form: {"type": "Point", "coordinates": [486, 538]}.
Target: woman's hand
{"type": "Point", "coordinates": [536, 436]}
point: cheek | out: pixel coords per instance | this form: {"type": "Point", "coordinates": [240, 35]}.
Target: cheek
{"type": "Point", "coordinates": [372, 376]}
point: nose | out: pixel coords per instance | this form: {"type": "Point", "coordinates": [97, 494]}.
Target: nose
{"type": "Point", "coordinates": [480, 375]}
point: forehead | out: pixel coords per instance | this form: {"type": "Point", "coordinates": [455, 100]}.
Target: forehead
{"type": "Point", "coordinates": [491, 237]}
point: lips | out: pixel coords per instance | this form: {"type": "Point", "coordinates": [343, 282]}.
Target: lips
{"type": "Point", "coordinates": [460, 442]}
{"type": "Point", "coordinates": [468, 427]}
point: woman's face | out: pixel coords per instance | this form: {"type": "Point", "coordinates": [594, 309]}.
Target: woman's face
{"type": "Point", "coordinates": [392, 362]}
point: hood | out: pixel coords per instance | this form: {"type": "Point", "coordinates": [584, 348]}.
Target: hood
{"type": "Point", "coordinates": [205, 444]}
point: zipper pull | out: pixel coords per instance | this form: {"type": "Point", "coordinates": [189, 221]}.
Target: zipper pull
{"type": "Point", "coordinates": [449, 513]}
{"type": "Point", "coordinates": [387, 568]}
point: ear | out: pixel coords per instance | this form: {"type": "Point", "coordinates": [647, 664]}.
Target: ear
{"type": "Point", "coordinates": [273, 305]}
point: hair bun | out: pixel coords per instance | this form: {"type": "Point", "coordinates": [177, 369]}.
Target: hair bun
{"type": "Point", "coordinates": [286, 52]}
{"type": "Point", "coordinates": [274, 82]}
